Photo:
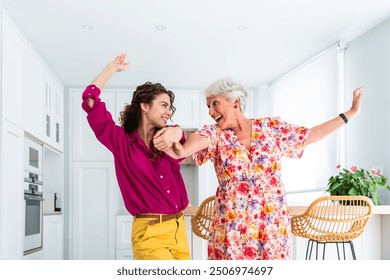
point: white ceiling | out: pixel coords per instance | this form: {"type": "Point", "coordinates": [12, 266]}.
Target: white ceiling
{"type": "Point", "coordinates": [201, 41]}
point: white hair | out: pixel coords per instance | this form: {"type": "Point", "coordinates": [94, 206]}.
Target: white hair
{"type": "Point", "coordinates": [229, 89]}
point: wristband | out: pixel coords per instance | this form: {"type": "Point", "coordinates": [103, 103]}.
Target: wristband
{"type": "Point", "coordinates": [344, 118]}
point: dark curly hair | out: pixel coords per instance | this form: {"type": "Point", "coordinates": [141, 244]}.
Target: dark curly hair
{"type": "Point", "coordinates": [146, 93]}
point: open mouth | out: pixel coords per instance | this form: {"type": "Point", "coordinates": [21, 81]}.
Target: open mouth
{"type": "Point", "coordinates": [217, 119]}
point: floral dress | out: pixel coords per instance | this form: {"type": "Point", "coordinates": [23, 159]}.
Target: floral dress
{"type": "Point", "coordinates": [251, 219]}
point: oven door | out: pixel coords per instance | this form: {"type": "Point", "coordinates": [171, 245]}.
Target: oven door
{"type": "Point", "coordinates": [33, 222]}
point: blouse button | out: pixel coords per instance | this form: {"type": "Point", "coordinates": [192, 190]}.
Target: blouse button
{"type": "Point", "coordinates": [176, 206]}
{"type": "Point", "coordinates": [168, 191]}
{"type": "Point", "coordinates": [161, 176]}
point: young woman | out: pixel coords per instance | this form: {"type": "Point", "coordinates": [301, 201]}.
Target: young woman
{"type": "Point", "coordinates": [150, 181]}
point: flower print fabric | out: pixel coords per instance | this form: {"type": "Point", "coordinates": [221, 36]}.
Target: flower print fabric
{"type": "Point", "coordinates": [251, 219]}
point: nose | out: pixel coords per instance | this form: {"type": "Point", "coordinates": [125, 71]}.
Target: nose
{"type": "Point", "coordinates": [211, 111]}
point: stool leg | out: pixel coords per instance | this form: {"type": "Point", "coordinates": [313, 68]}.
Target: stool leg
{"type": "Point", "coordinates": [307, 249]}
{"type": "Point", "coordinates": [344, 250]}
{"type": "Point", "coordinates": [353, 250]}
{"type": "Point", "coordinates": [323, 252]}
{"type": "Point", "coordinates": [311, 248]}
{"type": "Point", "coordinates": [338, 253]}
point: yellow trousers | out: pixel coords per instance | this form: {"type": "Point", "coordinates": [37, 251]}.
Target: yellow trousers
{"type": "Point", "coordinates": [162, 241]}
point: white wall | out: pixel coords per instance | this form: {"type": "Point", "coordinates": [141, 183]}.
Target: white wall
{"type": "Point", "coordinates": [310, 95]}
{"type": "Point", "coordinates": [307, 97]}
{"type": "Point", "coordinates": [368, 64]}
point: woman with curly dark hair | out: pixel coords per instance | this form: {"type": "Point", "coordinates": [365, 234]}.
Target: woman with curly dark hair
{"type": "Point", "coordinates": [150, 181]}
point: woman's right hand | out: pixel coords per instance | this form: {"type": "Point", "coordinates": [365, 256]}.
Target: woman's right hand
{"type": "Point", "coordinates": [120, 64]}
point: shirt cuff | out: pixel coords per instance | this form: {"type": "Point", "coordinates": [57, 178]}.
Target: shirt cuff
{"type": "Point", "coordinates": [92, 92]}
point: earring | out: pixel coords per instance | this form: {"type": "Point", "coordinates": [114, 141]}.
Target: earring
{"type": "Point", "coordinates": [235, 106]}
{"type": "Point", "coordinates": [145, 112]}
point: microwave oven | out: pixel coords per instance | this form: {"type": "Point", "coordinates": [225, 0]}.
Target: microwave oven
{"type": "Point", "coordinates": [33, 157]}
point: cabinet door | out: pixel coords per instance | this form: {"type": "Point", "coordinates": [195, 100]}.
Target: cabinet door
{"type": "Point", "coordinates": [53, 237]}
{"type": "Point", "coordinates": [123, 237]}
{"type": "Point", "coordinates": [84, 145]}
{"type": "Point", "coordinates": [187, 108]}
{"type": "Point", "coordinates": [92, 211]}
{"type": "Point", "coordinates": [53, 113]}
{"type": "Point", "coordinates": [11, 192]}
{"type": "Point", "coordinates": [33, 90]}
{"type": "Point", "coordinates": [12, 74]}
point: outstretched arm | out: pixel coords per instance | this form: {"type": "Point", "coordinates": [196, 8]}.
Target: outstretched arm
{"type": "Point", "coordinates": [194, 143]}
{"type": "Point", "coordinates": [319, 132]}
{"type": "Point", "coordinates": [118, 65]}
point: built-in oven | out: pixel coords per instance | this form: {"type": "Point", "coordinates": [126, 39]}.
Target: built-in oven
{"type": "Point", "coordinates": [33, 196]}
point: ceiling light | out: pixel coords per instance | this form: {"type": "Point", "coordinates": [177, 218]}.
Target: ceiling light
{"type": "Point", "coordinates": [87, 27]}
{"type": "Point", "coordinates": [242, 27]}
{"type": "Point", "coordinates": [161, 27]}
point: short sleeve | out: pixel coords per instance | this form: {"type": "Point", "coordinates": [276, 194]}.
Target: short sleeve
{"type": "Point", "coordinates": [211, 133]}
{"type": "Point", "coordinates": [290, 138]}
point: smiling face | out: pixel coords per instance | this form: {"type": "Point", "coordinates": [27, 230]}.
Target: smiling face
{"type": "Point", "coordinates": [158, 112]}
{"type": "Point", "coordinates": [224, 112]}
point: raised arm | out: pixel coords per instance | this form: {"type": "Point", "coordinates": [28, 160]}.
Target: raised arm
{"type": "Point", "coordinates": [321, 131]}
{"type": "Point", "coordinates": [118, 65]}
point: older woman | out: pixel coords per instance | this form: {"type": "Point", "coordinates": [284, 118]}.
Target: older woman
{"type": "Point", "coordinates": [251, 219]}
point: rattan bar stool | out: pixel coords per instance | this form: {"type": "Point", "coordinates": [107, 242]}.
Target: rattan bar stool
{"type": "Point", "coordinates": [333, 219]}
{"type": "Point", "coordinates": [201, 221]}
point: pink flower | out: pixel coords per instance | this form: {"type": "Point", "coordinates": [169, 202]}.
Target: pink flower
{"type": "Point", "coordinates": [338, 166]}
{"type": "Point", "coordinates": [353, 168]}
{"type": "Point", "coordinates": [374, 171]}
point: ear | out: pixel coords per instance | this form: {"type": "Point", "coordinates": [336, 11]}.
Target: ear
{"type": "Point", "coordinates": [144, 107]}
{"type": "Point", "coordinates": [237, 103]}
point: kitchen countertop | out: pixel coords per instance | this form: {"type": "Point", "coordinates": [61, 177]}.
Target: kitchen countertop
{"type": "Point", "coordinates": [52, 213]}
{"type": "Point", "coordinates": [297, 210]}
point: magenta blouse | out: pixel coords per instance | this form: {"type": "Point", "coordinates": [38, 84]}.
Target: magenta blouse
{"type": "Point", "coordinates": [147, 186]}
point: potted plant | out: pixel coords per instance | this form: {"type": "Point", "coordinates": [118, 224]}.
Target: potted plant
{"type": "Point", "coordinates": [357, 182]}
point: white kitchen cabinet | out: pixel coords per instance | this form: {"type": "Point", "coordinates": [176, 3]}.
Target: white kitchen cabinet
{"type": "Point", "coordinates": [187, 108]}
{"type": "Point", "coordinates": [53, 237]}
{"type": "Point", "coordinates": [11, 192]}
{"type": "Point", "coordinates": [12, 63]}
{"type": "Point", "coordinates": [92, 211]}
{"type": "Point", "coordinates": [53, 112]}
{"type": "Point", "coordinates": [33, 90]}
{"type": "Point", "coordinates": [31, 96]}
{"type": "Point", "coordinates": [123, 227]}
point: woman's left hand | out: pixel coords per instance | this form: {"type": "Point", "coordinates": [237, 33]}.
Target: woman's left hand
{"type": "Point", "coordinates": [165, 137]}
{"type": "Point", "coordinates": [357, 95]}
